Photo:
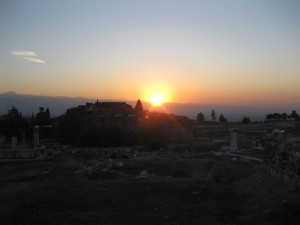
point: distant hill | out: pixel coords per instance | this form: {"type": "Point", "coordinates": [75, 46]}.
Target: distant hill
{"type": "Point", "coordinates": [231, 112]}
{"type": "Point", "coordinates": [28, 104]}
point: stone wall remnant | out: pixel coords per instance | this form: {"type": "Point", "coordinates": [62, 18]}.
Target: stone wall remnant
{"type": "Point", "coordinates": [283, 157]}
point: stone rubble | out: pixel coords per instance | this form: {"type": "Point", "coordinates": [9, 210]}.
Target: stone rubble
{"type": "Point", "coordinates": [283, 158]}
{"type": "Point", "coordinates": [144, 174]}
{"type": "Point", "coordinates": [103, 154]}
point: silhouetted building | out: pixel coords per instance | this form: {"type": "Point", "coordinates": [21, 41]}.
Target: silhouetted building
{"type": "Point", "coordinates": [118, 123]}
{"type": "Point", "coordinates": [99, 124]}
{"type": "Point", "coordinates": [102, 109]}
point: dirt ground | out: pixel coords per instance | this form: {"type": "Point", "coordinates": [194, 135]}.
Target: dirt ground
{"type": "Point", "coordinates": [156, 188]}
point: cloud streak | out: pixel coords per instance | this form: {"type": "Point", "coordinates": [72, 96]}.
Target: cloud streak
{"type": "Point", "coordinates": [28, 55]}
{"type": "Point", "coordinates": [23, 53]}
{"type": "Point", "coordinates": [34, 59]}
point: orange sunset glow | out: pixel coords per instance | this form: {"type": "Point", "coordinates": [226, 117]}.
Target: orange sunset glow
{"type": "Point", "coordinates": [161, 52]}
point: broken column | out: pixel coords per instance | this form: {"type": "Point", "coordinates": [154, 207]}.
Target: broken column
{"type": "Point", "coordinates": [23, 138]}
{"type": "Point", "coordinates": [233, 142]}
{"type": "Point", "coordinates": [36, 137]}
{"type": "Point", "coordinates": [2, 141]}
{"type": "Point", "coordinates": [14, 142]}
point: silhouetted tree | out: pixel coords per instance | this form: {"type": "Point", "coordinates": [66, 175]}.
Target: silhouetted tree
{"type": "Point", "coordinates": [32, 122]}
{"type": "Point", "coordinates": [246, 120]}
{"type": "Point", "coordinates": [213, 115]}
{"type": "Point", "coordinates": [13, 113]}
{"type": "Point", "coordinates": [269, 117]}
{"type": "Point", "coordinates": [43, 118]}
{"type": "Point", "coordinates": [200, 117]}
{"type": "Point", "coordinates": [222, 119]}
{"type": "Point", "coordinates": [138, 109]}
{"type": "Point", "coordinates": [276, 116]}
{"type": "Point", "coordinates": [295, 115]}
{"type": "Point", "coordinates": [41, 109]}
{"type": "Point", "coordinates": [284, 116]}
{"type": "Point", "coordinates": [12, 124]}
{"type": "Point", "coordinates": [47, 113]}
{"type": "Point", "coordinates": [138, 106]}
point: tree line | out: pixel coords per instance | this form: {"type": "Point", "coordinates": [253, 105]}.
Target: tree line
{"type": "Point", "coordinates": [201, 117]}
{"type": "Point", "coordinates": [283, 116]}
{"type": "Point", "coordinates": [14, 124]}
{"type": "Point", "coordinates": [119, 131]}
{"type": "Point", "coordinates": [246, 120]}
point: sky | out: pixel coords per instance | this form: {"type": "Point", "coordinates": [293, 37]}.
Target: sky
{"type": "Point", "coordinates": [192, 51]}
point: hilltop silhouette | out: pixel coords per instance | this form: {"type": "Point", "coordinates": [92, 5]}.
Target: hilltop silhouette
{"type": "Point", "coordinates": [59, 105]}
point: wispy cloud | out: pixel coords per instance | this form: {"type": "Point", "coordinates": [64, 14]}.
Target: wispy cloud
{"type": "Point", "coordinates": [23, 53]}
{"type": "Point", "coordinates": [34, 59]}
{"type": "Point", "coordinates": [28, 55]}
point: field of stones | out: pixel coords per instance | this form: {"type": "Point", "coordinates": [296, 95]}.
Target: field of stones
{"type": "Point", "coordinates": [191, 186]}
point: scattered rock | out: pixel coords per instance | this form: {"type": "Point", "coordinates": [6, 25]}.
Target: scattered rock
{"type": "Point", "coordinates": [144, 174]}
{"type": "Point", "coordinates": [283, 161]}
{"type": "Point", "coordinates": [105, 170]}
{"type": "Point", "coordinates": [110, 166]}
{"type": "Point", "coordinates": [119, 164]}
{"type": "Point", "coordinates": [203, 187]}
{"type": "Point", "coordinates": [153, 175]}
{"type": "Point", "coordinates": [78, 172]}
{"type": "Point", "coordinates": [217, 153]}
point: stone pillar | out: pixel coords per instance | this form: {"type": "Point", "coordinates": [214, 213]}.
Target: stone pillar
{"type": "Point", "coordinates": [14, 142]}
{"type": "Point", "coordinates": [23, 138]}
{"type": "Point", "coordinates": [2, 141]}
{"type": "Point", "coordinates": [233, 142]}
{"type": "Point", "coordinates": [243, 138]}
{"type": "Point", "coordinates": [36, 137]}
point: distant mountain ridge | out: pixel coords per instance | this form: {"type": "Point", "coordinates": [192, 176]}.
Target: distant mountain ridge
{"type": "Point", "coordinates": [28, 104]}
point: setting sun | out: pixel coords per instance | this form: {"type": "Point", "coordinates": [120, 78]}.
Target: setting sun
{"type": "Point", "coordinates": [157, 99]}
{"type": "Point", "coordinates": [157, 94]}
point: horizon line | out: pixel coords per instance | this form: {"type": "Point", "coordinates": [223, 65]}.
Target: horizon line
{"type": "Point", "coordinates": [165, 103]}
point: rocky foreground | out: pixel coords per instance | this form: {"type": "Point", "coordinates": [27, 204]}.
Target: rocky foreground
{"type": "Point", "coordinates": [162, 187]}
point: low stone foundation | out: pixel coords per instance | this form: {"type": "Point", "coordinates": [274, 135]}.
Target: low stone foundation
{"type": "Point", "coordinates": [20, 153]}
{"type": "Point", "coordinates": [102, 153]}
